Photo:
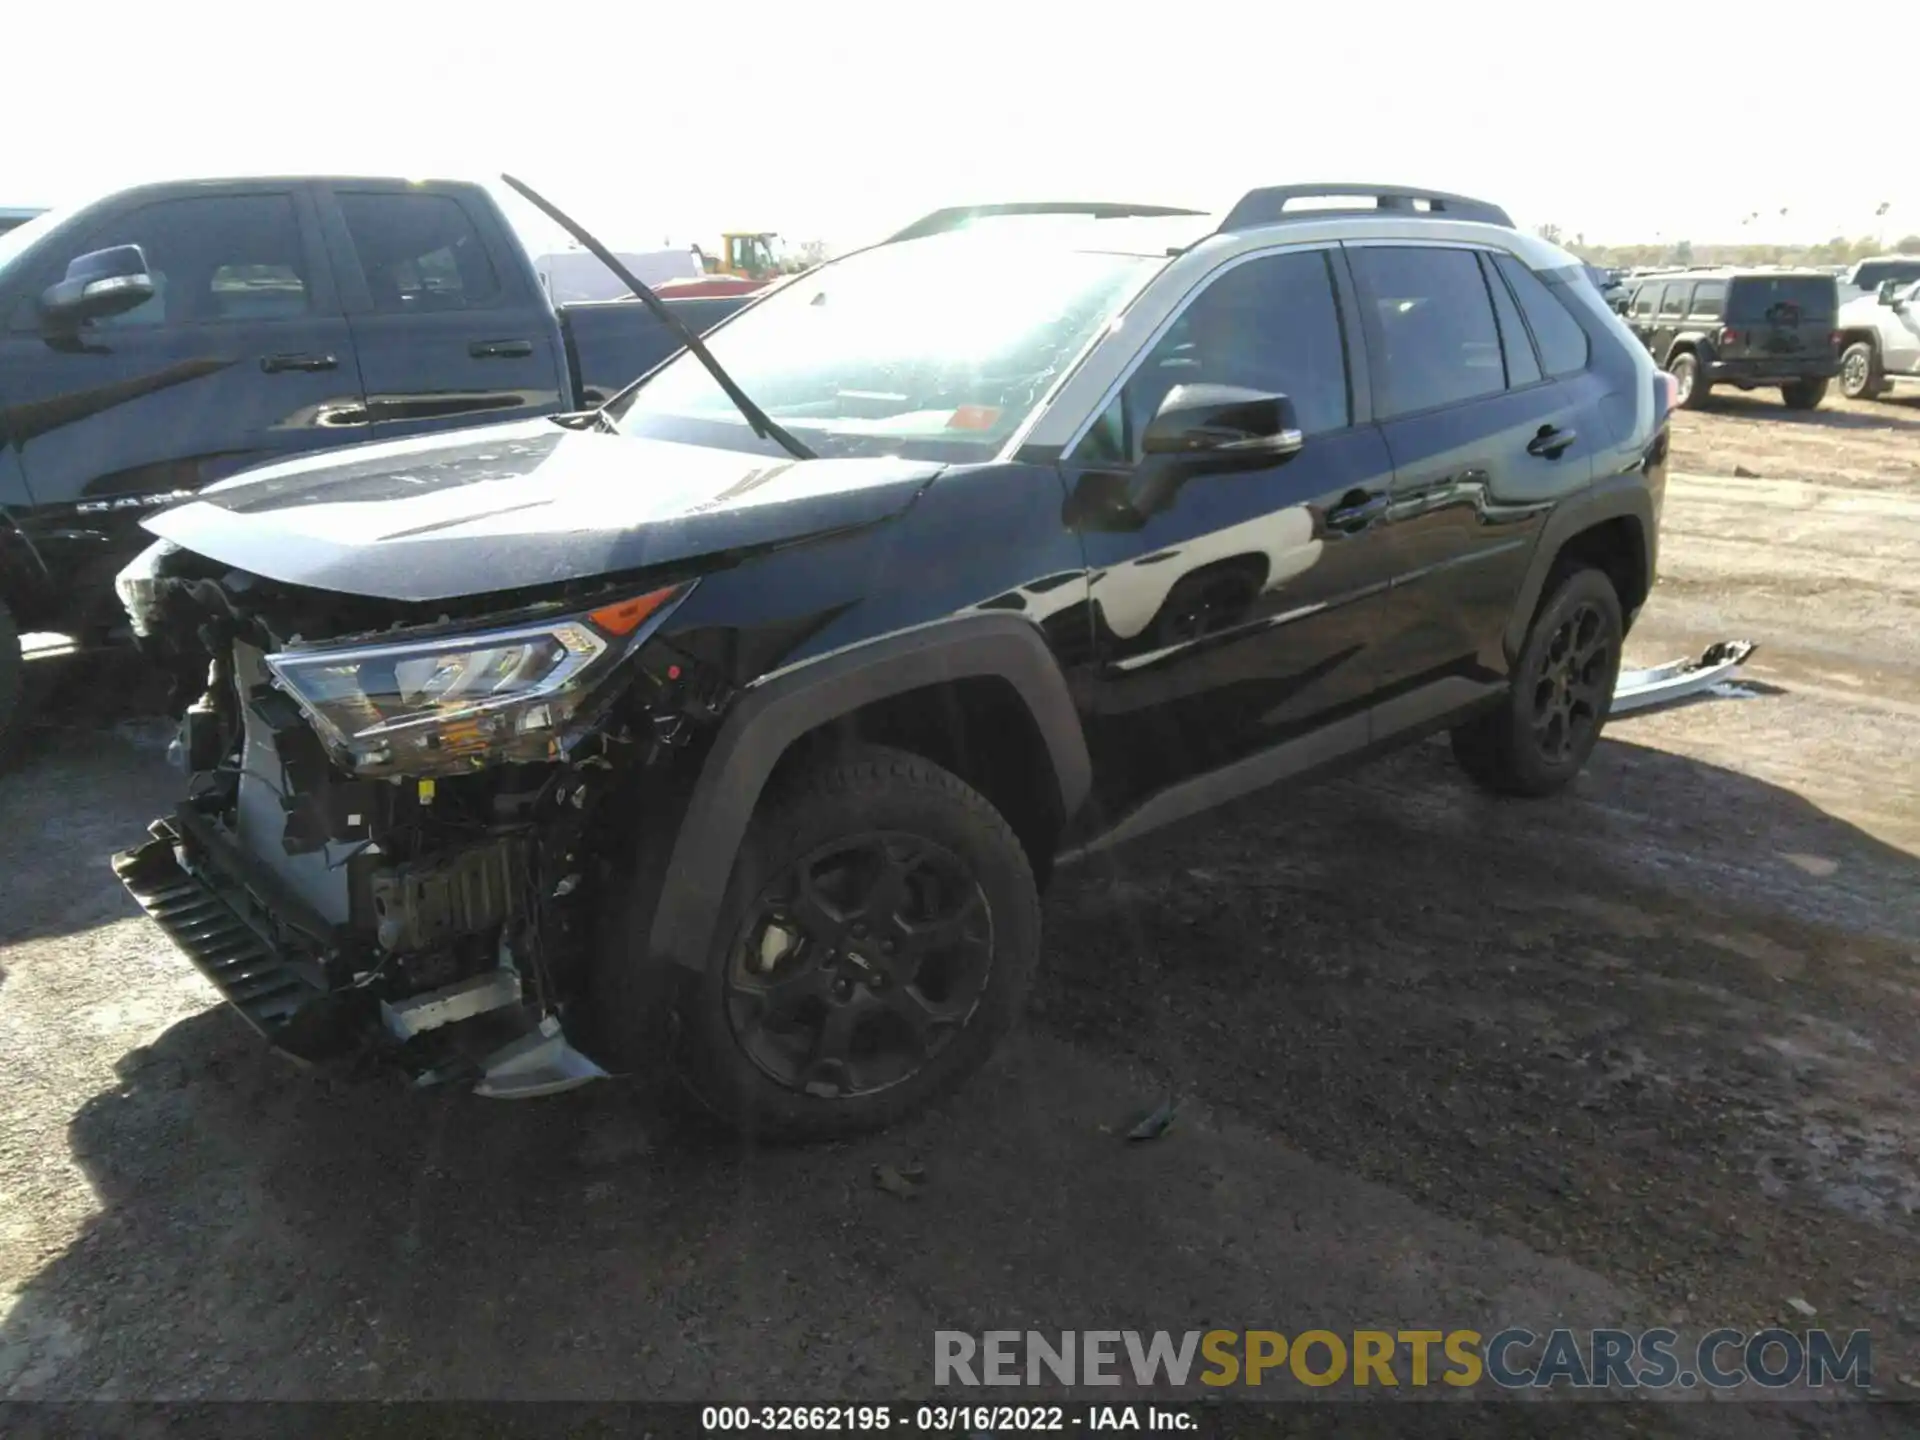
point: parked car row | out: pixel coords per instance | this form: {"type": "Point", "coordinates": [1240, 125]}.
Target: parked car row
{"type": "Point", "coordinates": [1744, 328]}
{"type": "Point", "coordinates": [1760, 327]}
{"type": "Point", "coordinates": [162, 338]}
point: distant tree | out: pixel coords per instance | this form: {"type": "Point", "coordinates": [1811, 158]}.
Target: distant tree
{"type": "Point", "coordinates": [813, 252]}
{"type": "Point", "coordinates": [1549, 233]}
{"type": "Point", "coordinates": [1908, 245]}
{"type": "Point", "coordinates": [1683, 252]}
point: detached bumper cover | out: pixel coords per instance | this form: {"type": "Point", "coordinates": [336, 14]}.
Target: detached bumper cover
{"type": "Point", "coordinates": [1680, 679]}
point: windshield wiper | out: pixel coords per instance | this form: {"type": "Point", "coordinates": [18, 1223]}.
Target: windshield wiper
{"type": "Point", "coordinates": [762, 424]}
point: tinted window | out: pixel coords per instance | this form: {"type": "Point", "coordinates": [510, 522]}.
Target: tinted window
{"type": "Point", "coordinates": [1673, 301]}
{"type": "Point", "coordinates": [1270, 324]}
{"type": "Point", "coordinates": [1438, 342]}
{"type": "Point", "coordinates": [1781, 299]}
{"type": "Point", "coordinates": [419, 252]}
{"type": "Point", "coordinates": [1710, 298]}
{"type": "Point", "coordinates": [1643, 299]}
{"type": "Point", "coordinates": [216, 257]}
{"type": "Point", "coordinates": [1523, 366]}
{"type": "Point", "coordinates": [1563, 344]}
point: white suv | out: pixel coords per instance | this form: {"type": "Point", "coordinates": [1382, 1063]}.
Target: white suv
{"type": "Point", "coordinates": [1880, 340]}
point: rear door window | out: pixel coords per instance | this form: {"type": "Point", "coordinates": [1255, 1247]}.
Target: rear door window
{"type": "Point", "coordinates": [1429, 307]}
{"type": "Point", "coordinates": [1673, 300]}
{"type": "Point", "coordinates": [1643, 300]}
{"type": "Point", "coordinates": [1781, 299]}
{"type": "Point", "coordinates": [1563, 344]}
{"type": "Point", "coordinates": [420, 253]}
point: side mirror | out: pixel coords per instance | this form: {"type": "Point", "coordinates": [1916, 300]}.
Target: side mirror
{"type": "Point", "coordinates": [1202, 429]}
{"type": "Point", "coordinates": [1888, 292]}
{"type": "Point", "coordinates": [1222, 423]}
{"type": "Point", "coordinates": [102, 283]}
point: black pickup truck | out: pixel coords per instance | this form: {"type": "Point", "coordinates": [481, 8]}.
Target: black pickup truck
{"type": "Point", "coordinates": [165, 337]}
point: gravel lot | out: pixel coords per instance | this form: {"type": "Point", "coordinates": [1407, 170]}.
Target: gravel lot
{"type": "Point", "coordinates": [1642, 1054]}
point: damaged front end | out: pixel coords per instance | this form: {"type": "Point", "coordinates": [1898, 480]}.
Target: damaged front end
{"type": "Point", "coordinates": [389, 836]}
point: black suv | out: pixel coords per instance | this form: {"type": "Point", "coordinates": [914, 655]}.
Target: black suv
{"type": "Point", "coordinates": [739, 722]}
{"type": "Point", "coordinates": [1746, 328]}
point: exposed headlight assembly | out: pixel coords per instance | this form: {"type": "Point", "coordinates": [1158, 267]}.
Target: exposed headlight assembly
{"type": "Point", "coordinates": [463, 701]}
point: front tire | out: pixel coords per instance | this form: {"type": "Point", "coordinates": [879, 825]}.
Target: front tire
{"type": "Point", "coordinates": [1803, 394]}
{"type": "Point", "coordinates": [1860, 377]}
{"type": "Point", "coordinates": [1543, 732]}
{"type": "Point", "coordinates": [878, 938]}
{"type": "Point", "coordinates": [1694, 387]}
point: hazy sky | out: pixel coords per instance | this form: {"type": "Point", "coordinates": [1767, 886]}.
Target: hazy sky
{"type": "Point", "coordinates": [837, 120]}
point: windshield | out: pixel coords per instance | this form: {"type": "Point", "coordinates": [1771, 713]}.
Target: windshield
{"type": "Point", "coordinates": [17, 240]}
{"type": "Point", "coordinates": [1872, 272]}
{"type": "Point", "coordinates": [935, 349]}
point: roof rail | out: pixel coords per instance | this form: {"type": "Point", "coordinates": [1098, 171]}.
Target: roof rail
{"type": "Point", "coordinates": [1268, 206]}
{"type": "Point", "coordinates": [955, 217]}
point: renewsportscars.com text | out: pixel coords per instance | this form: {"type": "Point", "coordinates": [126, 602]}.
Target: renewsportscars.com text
{"type": "Point", "coordinates": [1512, 1359]}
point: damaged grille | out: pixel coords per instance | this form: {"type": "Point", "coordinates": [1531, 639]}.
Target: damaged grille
{"type": "Point", "coordinates": [259, 983]}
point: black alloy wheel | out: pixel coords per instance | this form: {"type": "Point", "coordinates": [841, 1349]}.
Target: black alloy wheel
{"type": "Point", "coordinates": [859, 965]}
{"type": "Point", "coordinates": [1573, 684]}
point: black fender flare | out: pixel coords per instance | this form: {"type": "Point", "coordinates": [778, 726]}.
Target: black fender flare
{"type": "Point", "coordinates": [770, 715]}
{"type": "Point", "coordinates": [1698, 342]}
{"type": "Point", "coordinates": [1622, 496]}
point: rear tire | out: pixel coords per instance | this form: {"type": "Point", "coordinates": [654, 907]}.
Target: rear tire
{"type": "Point", "coordinates": [1693, 384]}
{"type": "Point", "coordinates": [878, 938]}
{"type": "Point", "coordinates": [1803, 394]}
{"type": "Point", "coordinates": [1860, 376]}
{"type": "Point", "coordinates": [1549, 722]}
{"type": "Point", "coordinates": [13, 686]}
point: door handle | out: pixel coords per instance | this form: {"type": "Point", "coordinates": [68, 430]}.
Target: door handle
{"type": "Point", "coordinates": [1357, 510]}
{"type": "Point", "coordinates": [1550, 442]}
{"type": "Point", "coordinates": [274, 364]}
{"type": "Point", "coordinates": [500, 349]}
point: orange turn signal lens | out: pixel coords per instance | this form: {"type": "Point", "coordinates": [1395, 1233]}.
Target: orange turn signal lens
{"type": "Point", "coordinates": [624, 617]}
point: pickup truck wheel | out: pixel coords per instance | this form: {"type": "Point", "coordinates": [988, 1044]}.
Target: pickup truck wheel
{"type": "Point", "coordinates": [1803, 394]}
{"type": "Point", "coordinates": [1562, 690]}
{"type": "Point", "coordinates": [878, 938]}
{"type": "Point", "coordinates": [1860, 371]}
{"type": "Point", "coordinates": [1694, 388]}
{"type": "Point", "coordinates": [13, 685]}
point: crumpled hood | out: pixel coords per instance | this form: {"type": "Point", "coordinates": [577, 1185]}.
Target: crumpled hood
{"type": "Point", "coordinates": [518, 505]}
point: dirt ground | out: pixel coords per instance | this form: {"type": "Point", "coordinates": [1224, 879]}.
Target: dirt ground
{"type": "Point", "coordinates": [1642, 1054]}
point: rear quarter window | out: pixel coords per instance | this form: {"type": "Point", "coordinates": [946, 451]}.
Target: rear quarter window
{"type": "Point", "coordinates": [1563, 344]}
{"type": "Point", "coordinates": [1710, 299]}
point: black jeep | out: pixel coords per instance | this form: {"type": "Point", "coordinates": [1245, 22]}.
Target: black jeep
{"type": "Point", "coordinates": [1745, 328]}
{"type": "Point", "coordinates": [739, 722]}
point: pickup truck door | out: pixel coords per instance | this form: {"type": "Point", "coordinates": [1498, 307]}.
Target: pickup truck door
{"type": "Point", "coordinates": [1900, 333]}
{"type": "Point", "coordinates": [242, 357]}
{"type": "Point", "coordinates": [451, 325]}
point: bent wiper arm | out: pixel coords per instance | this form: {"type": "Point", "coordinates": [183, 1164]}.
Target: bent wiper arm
{"type": "Point", "coordinates": [762, 423]}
